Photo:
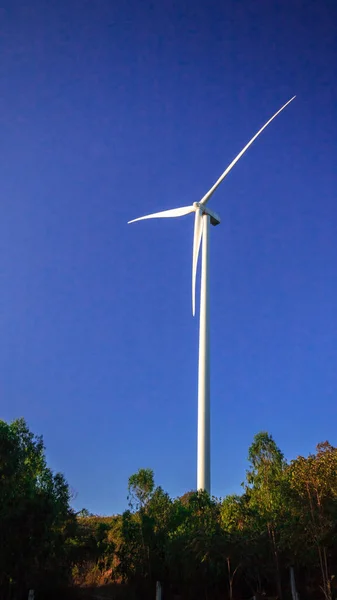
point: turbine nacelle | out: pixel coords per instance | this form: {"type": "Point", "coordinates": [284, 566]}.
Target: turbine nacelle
{"type": "Point", "coordinates": [214, 218]}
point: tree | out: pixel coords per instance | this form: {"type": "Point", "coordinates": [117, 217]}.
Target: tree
{"type": "Point", "coordinates": [196, 557]}
{"type": "Point", "coordinates": [265, 490]}
{"type": "Point", "coordinates": [140, 488]}
{"type": "Point", "coordinates": [35, 517]}
{"type": "Point", "coordinates": [201, 548]}
{"type": "Point", "coordinates": [314, 479]}
{"type": "Point", "coordinates": [134, 552]}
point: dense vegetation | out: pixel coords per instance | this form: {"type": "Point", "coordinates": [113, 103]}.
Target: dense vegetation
{"type": "Point", "coordinates": [36, 522]}
{"type": "Point", "coordinates": [275, 540]}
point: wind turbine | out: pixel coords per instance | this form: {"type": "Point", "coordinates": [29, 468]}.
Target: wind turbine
{"type": "Point", "coordinates": [204, 217]}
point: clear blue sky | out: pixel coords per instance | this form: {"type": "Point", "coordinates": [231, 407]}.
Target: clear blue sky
{"type": "Point", "coordinates": [114, 109]}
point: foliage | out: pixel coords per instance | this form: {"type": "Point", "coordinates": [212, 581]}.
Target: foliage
{"type": "Point", "coordinates": [140, 488]}
{"type": "Point", "coordinates": [265, 489]}
{"type": "Point", "coordinates": [94, 547]}
{"type": "Point", "coordinates": [314, 481]}
{"type": "Point", "coordinates": [285, 521]}
{"type": "Point", "coordinates": [36, 521]}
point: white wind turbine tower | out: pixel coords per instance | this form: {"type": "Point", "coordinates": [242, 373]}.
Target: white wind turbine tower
{"type": "Point", "coordinates": [203, 218]}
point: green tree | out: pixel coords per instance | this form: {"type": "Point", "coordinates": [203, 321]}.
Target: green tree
{"type": "Point", "coordinates": [35, 517]}
{"type": "Point", "coordinates": [196, 557]}
{"type": "Point", "coordinates": [314, 479]}
{"type": "Point", "coordinates": [265, 491]}
{"type": "Point", "coordinates": [140, 488]}
{"type": "Point", "coordinates": [244, 545]}
{"type": "Point", "coordinates": [135, 550]}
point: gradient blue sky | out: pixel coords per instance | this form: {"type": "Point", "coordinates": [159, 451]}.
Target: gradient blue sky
{"type": "Point", "coordinates": [113, 109]}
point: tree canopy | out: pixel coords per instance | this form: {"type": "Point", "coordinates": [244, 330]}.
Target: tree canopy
{"type": "Point", "coordinates": [277, 539]}
{"type": "Point", "coordinates": [35, 516]}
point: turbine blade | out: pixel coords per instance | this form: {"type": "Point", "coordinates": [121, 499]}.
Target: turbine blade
{"type": "Point", "coordinates": [172, 212]}
{"type": "Point", "coordinates": [198, 228]}
{"type": "Point", "coordinates": [207, 196]}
